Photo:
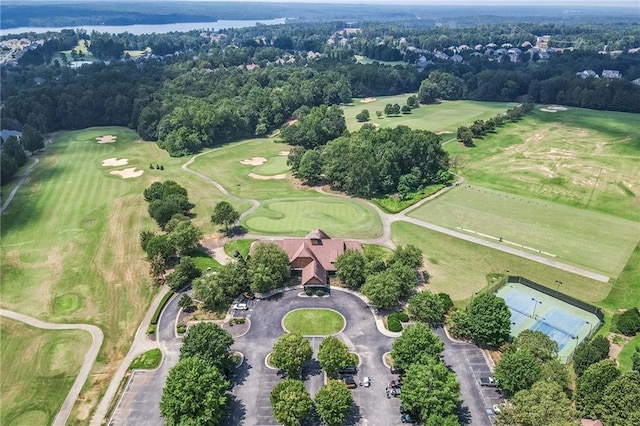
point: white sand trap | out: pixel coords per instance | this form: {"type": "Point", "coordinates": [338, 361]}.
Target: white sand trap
{"type": "Point", "coordinates": [110, 162]}
{"type": "Point", "coordinates": [548, 110]}
{"type": "Point", "coordinates": [557, 107]}
{"type": "Point", "coordinates": [106, 139]}
{"type": "Point", "coordinates": [263, 177]}
{"type": "Point", "coordinates": [291, 122]}
{"type": "Point", "coordinates": [128, 173]}
{"type": "Point", "coordinates": [255, 161]}
{"type": "Point", "coordinates": [284, 153]}
{"type": "Point", "coordinates": [367, 100]}
{"type": "Point", "coordinates": [444, 132]}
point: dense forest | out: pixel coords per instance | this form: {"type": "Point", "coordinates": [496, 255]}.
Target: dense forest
{"type": "Point", "coordinates": [190, 91]}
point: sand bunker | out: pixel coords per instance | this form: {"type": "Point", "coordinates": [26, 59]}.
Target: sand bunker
{"type": "Point", "coordinates": [255, 161]}
{"type": "Point", "coordinates": [106, 139]}
{"type": "Point", "coordinates": [263, 177]}
{"type": "Point", "coordinates": [367, 100]}
{"type": "Point", "coordinates": [444, 132]}
{"type": "Point", "coordinates": [548, 110]}
{"type": "Point", "coordinates": [553, 108]}
{"type": "Point", "coordinates": [115, 162]}
{"type": "Point", "coordinates": [291, 122]}
{"type": "Point", "coordinates": [284, 153]}
{"type": "Point", "coordinates": [128, 173]}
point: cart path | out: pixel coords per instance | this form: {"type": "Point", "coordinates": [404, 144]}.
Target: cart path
{"type": "Point", "coordinates": [89, 358]}
{"type": "Point", "coordinates": [23, 177]}
{"type": "Point", "coordinates": [387, 219]}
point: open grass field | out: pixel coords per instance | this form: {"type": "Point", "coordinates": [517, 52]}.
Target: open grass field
{"type": "Point", "coordinates": [440, 118]}
{"type": "Point", "coordinates": [589, 239]}
{"type": "Point", "coordinates": [274, 166]}
{"type": "Point", "coordinates": [242, 245]}
{"type": "Point", "coordinates": [461, 268]}
{"type": "Point", "coordinates": [579, 157]}
{"type": "Point", "coordinates": [70, 242]}
{"type": "Point", "coordinates": [313, 322]}
{"type": "Point", "coordinates": [338, 217]}
{"type": "Point", "coordinates": [38, 369]}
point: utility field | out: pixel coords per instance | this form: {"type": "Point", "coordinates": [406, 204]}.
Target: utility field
{"type": "Point", "coordinates": [595, 241]}
{"type": "Point", "coordinates": [461, 268]}
{"type": "Point", "coordinates": [286, 207]}
{"type": "Point", "coordinates": [71, 248]}
{"type": "Point", "coordinates": [39, 367]}
{"type": "Point", "coordinates": [443, 118]}
{"type": "Point", "coordinates": [578, 157]}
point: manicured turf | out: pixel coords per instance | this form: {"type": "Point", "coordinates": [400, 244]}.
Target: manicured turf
{"type": "Point", "coordinates": [444, 117]}
{"type": "Point", "coordinates": [273, 166]}
{"type": "Point", "coordinates": [624, 357]}
{"type": "Point", "coordinates": [242, 245]}
{"type": "Point", "coordinates": [338, 217]}
{"type": "Point", "coordinates": [38, 369]}
{"type": "Point", "coordinates": [579, 157]}
{"type": "Point", "coordinates": [596, 241]}
{"type": "Point", "coordinates": [147, 361]}
{"type": "Point", "coordinates": [313, 322]}
{"type": "Point", "coordinates": [461, 268]}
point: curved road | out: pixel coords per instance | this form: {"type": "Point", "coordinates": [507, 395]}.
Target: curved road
{"type": "Point", "coordinates": [87, 365]}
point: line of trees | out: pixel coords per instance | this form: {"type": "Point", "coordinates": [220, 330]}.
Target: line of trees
{"type": "Point", "coordinates": [13, 155]}
{"type": "Point", "coordinates": [480, 128]}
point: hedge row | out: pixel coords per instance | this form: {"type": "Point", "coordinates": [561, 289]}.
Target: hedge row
{"type": "Point", "coordinates": [156, 315]}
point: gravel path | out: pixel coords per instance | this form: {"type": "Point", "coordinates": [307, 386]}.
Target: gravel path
{"type": "Point", "coordinates": [87, 365]}
{"type": "Point", "coordinates": [23, 177]}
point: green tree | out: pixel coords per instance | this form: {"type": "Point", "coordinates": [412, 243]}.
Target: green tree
{"type": "Point", "coordinates": [555, 371]}
{"type": "Point", "coordinates": [185, 237]}
{"type": "Point", "coordinates": [406, 109]}
{"type": "Point", "coordinates": [159, 245]}
{"type": "Point", "coordinates": [590, 352]}
{"type": "Point", "coordinates": [426, 307]}
{"type": "Point", "coordinates": [620, 404]}
{"type": "Point", "coordinates": [465, 135]}
{"type": "Point", "coordinates": [363, 116]}
{"type": "Point", "coordinates": [591, 385]}
{"type": "Point", "coordinates": [538, 343]}
{"type": "Point", "coordinates": [430, 389]}
{"type": "Point", "coordinates": [412, 102]}
{"type": "Point", "coordinates": [490, 320]}
{"type": "Point", "coordinates": [290, 402]}
{"type": "Point", "coordinates": [210, 343]}
{"type": "Point", "coordinates": [395, 109]}
{"type": "Point", "coordinates": [333, 355]}
{"type": "Point", "coordinates": [217, 291]}
{"type": "Point", "coordinates": [379, 114]}
{"type": "Point", "coordinates": [290, 352]}
{"type": "Point", "coordinates": [428, 92]}
{"type": "Point", "coordinates": [195, 393]}
{"type": "Point", "coordinates": [408, 255]}
{"type": "Point", "coordinates": [518, 370]}
{"type": "Point", "coordinates": [163, 210]}
{"type": "Point", "coordinates": [31, 139]}
{"type": "Point", "coordinates": [268, 267]}
{"type": "Point", "coordinates": [416, 343]}
{"type": "Point", "coordinates": [382, 290]}
{"type": "Point", "coordinates": [175, 220]}
{"type": "Point", "coordinates": [635, 359]}
{"type": "Point", "coordinates": [145, 237]}
{"type": "Point", "coordinates": [310, 167]}
{"type": "Point", "coordinates": [185, 272]}
{"type": "Point", "coordinates": [351, 268]}
{"type": "Point", "coordinates": [333, 402]}
{"type": "Point", "coordinates": [459, 324]}
{"type": "Point", "coordinates": [388, 109]}
{"type": "Point", "coordinates": [224, 214]}
{"type": "Point", "coordinates": [438, 420]}
{"type": "Point", "coordinates": [544, 404]}
{"type": "Point", "coordinates": [14, 148]}
{"type": "Point", "coordinates": [185, 302]}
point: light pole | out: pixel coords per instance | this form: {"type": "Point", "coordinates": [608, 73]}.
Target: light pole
{"type": "Point", "coordinates": [590, 328]}
{"type": "Point", "coordinates": [535, 306]}
{"type": "Point", "coordinates": [559, 284]}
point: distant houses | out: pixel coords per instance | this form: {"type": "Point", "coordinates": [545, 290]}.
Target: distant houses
{"type": "Point", "coordinates": [611, 74]}
{"type": "Point", "coordinates": [587, 74]}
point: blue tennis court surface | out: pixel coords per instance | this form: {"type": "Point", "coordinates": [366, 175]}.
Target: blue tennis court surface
{"type": "Point", "coordinates": [558, 336]}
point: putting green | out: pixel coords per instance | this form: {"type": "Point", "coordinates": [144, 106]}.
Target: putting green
{"type": "Point", "coordinates": [313, 322]}
{"type": "Point", "coordinates": [273, 166]}
{"type": "Point", "coordinates": [337, 217]}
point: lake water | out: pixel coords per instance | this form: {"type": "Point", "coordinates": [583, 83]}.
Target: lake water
{"type": "Point", "coordinates": [148, 29]}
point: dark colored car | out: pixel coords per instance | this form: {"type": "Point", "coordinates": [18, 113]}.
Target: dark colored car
{"type": "Point", "coordinates": [395, 392]}
{"type": "Point", "coordinates": [407, 418]}
{"type": "Point", "coordinates": [350, 382]}
{"type": "Point", "coordinates": [403, 410]}
{"type": "Point", "coordinates": [395, 370]}
{"type": "Point", "coordinates": [350, 369]}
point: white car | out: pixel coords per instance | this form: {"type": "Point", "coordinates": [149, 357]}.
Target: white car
{"type": "Point", "coordinates": [366, 381]}
{"type": "Point", "coordinates": [240, 307]}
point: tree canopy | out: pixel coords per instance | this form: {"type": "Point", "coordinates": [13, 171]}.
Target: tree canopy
{"type": "Point", "coordinates": [518, 370]}
{"type": "Point", "coordinates": [620, 404]}
{"type": "Point", "coordinates": [210, 343]}
{"type": "Point", "coordinates": [290, 352]}
{"type": "Point", "coordinates": [544, 404]}
{"type": "Point", "coordinates": [426, 307]}
{"type": "Point", "coordinates": [268, 267]}
{"type": "Point", "coordinates": [351, 268]}
{"type": "Point", "coordinates": [590, 387]}
{"type": "Point", "coordinates": [539, 344]}
{"type": "Point", "coordinates": [333, 402]}
{"type": "Point", "coordinates": [333, 354]}
{"type": "Point", "coordinates": [224, 214]}
{"type": "Point", "coordinates": [316, 127]}
{"type": "Point", "coordinates": [490, 320]}
{"type": "Point", "coordinates": [416, 343]}
{"type": "Point", "coordinates": [290, 402]}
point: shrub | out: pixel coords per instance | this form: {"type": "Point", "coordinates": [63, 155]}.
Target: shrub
{"type": "Point", "coordinates": [393, 324]}
{"type": "Point", "coordinates": [151, 166]}
{"type": "Point", "coordinates": [447, 303]}
{"type": "Point", "coordinates": [308, 292]}
{"type": "Point", "coordinates": [402, 317]}
{"type": "Point", "coordinates": [181, 328]}
{"type": "Point", "coordinates": [629, 322]}
{"type": "Point", "coordinates": [156, 315]}
{"type": "Point", "coordinates": [161, 167]}
{"type": "Point", "coordinates": [320, 293]}
{"type": "Point", "coordinates": [151, 329]}
{"type": "Point", "coordinates": [393, 316]}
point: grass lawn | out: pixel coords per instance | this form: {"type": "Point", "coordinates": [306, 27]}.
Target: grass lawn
{"type": "Point", "coordinates": [39, 367]}
{"type": "Point", "coordinates": [147, 361]}
{"type": "Point", "coordinates": [242, 245]}
{"type": "Point", "coordinates": [203, 260]}
{"type": "Point", "coordinates": [273, 166]}
{"type": "Point", "coordinates": [596, 241]}
{"type": "Point", "coordinates": [338, 217]}
{"type": "Point", "coordinates": [629, 349]}
{"type": "Point", "coordinates": [460, 268]}
{"type": "Point", "coordinates": [579, 157]}
{"type": "Point", "coordinates": [313, 322]}
{"type": "Point", "coordinates": [443, 118]}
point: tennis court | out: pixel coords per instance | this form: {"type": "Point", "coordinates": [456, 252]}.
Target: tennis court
{"type": "Point", "coordinates": [564, 323]}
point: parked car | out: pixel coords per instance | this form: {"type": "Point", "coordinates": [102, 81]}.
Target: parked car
{"type": "Point", "coordinates": [395, 392]}
{"type": "Point", "coordinates": [407, 418]}
{"type": "Point", "coordinates": [350, 369]}
{"type": "Point", "coordinates": [395, 383]}
{"type": "Point", "coordinates": [403, 410]}
{"type": "Point", "coordinates": [488, 381]}
{"type": "Point", "coordinates": [395, 370]}
{"type": "Point", "coordinates": [350, 382]}
{"type": "Point", "coordinates": [366, 381]}
{"type": "Point", "coordinates": [240, 307]}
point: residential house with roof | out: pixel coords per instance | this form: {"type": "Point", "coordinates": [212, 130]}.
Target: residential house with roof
{"type": "Point", "coordinates": [313, 257]}
{"type": "Point", "coordinates": [611, 74]}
